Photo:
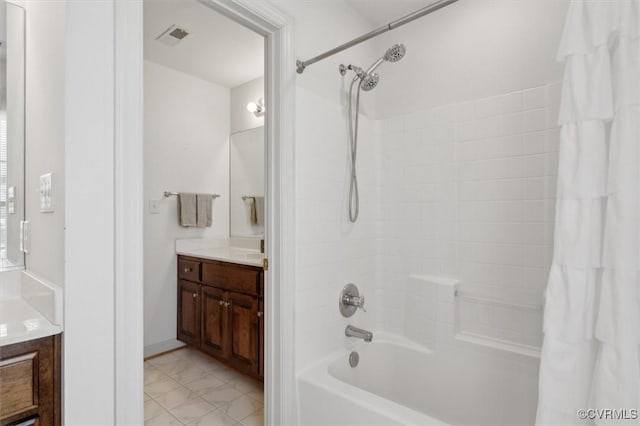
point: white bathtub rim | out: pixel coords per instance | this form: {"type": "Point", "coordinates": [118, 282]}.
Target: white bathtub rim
{"type": "Point", "coordinates": [318, 375]}
{"type": "Point", "coordinates": [321, 378]}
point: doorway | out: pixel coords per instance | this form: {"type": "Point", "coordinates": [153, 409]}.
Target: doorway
{"type": "Point", "coordinates": [205, 217]}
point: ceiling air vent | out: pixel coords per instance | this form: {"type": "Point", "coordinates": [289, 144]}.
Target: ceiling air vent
{"type": "Point", "coordinates": [172, 35]}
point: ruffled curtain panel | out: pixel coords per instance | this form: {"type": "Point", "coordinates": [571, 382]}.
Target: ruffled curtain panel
{"type": "Point", "coordinates": [590, 354]}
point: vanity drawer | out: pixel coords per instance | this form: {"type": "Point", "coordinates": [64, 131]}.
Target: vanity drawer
{"type": "Point", "coordinates": [231, 277]}
{"type": "Point", "coordinates": [19, 385]}
{"type": "Point", "coordinates": [188, 269]}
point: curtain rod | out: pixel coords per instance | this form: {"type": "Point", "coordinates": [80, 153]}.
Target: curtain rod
{"type": "Point", "coordinates": [301, 65]}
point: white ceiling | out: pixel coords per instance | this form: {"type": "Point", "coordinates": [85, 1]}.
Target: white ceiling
{"type": "Point", "coordinates": [380, 12]}
{"type": "Point", "coordinates": [217, 49]}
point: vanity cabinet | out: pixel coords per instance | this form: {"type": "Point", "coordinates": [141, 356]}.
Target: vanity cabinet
{"type": "Point", "coordinates": [220, 311]}
{"type": "Point", "coordinates": [30, 382]}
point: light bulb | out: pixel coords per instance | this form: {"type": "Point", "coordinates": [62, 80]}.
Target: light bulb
{"type": "Point", "coordinates": [253, 107]}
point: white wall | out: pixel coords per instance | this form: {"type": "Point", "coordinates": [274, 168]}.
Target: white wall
{"type": "Point", "coordinates": [241, 119]}
{"type": "Point", "coordinates": [46, 24]}
{"type": "Point", "coordinates": [186, 149]}
{"type": "Point", "coordinates": [471, 50]}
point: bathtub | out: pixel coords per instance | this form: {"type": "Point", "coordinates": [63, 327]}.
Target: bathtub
{"type": "Point", "coordinates": [398, 382]}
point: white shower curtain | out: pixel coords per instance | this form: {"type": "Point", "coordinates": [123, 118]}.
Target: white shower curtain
{"type": "Point", "coordinates": [590, 354]}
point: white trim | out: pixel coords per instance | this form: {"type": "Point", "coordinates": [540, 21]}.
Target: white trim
{"type": "Point", "coordinates": [277, 28]}
{"type": "Point", "coordinates": [88, 353]}
{"type": "Point", "coordinates": [129, 213]}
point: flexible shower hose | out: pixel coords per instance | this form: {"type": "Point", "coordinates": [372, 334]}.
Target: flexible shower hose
{"type": "Point", "coordinates": [354, 196]}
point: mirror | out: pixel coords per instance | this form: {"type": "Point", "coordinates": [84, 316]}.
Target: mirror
{"type": "Point", "coordinates": [246, 179]}
{"type": "Point", "coordinates": [12, 133]}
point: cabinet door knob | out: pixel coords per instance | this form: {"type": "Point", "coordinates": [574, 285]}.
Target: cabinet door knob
{"type": "Point", "coordinates": [260, 314]}
{"type": "Point", "coordinates": [195, 295]}
{"type": "Point", "coordinates": [221, 302]}
{"type": "Point", "coordinates": [227, 304]}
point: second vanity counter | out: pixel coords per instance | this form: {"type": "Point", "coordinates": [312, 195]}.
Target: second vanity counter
{"type": "Point", "coordinates": [229, 254]}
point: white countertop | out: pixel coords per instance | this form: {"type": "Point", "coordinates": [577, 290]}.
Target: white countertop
{"type": "Point", "coordinates": [20, 322]}
{"type": "Point", "coordinates": [237, 255]}
{"type": "Point", "coordinates": [30, 308]}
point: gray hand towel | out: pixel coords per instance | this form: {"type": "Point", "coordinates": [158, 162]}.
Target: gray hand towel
{"type": "Point", "coordinates": [205, 210]}
{"type": "Point", "coordinates": [188, 212]}
{"type": "Point", "coordinates": [253, 212]}
{"type": "Point", "coordinates": [259, 208]}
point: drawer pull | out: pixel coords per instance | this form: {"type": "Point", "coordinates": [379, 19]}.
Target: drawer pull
{"type": "Point", "coordinates": [260, 314]}
{"type": "Point", "coordinates": [195, 295]}
{"type": "Point", "coordinates": [221, 302]}
{"type": "Point", "coordinates": [227, 304]}
{"type": "Point", "coordinates": [187, 270]}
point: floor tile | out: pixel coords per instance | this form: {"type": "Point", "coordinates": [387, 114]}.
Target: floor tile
{"type": "Point", "coordinates": [152, 409]}
{"type": "Point", "coordinates": [164, 420]}
{"type": "Point", "coordinates": [244, 384]}
{"type": "Point", "coordinates": [188, 373]}
{"type": "Point", "coordinates": [153, 375]}
{"type": "Point", "coordinates": [216, 418]}
{"type": "Point", "coordinates": [146, 397]}
{"type": "Point", "coordinates": [255, 419]}
{"type": "Point", "coordinates": [257, 395]}
{"type": "Point", "coordinates": [163, 359]}
{"type": "Point", "coordinates": [225, 374]}
{"type": "Point", "coordinates": [242, 407]}
{"type": "Point", "coordinates": [222, 396]}
{"type": "Point", "coordinates": [192, 410]}
{"type": "Point", "coordinates": [161, 387]}
{"type": "Point", "coordinates": [175, 397]}
{"type": "Point", "coordinates": [205, 385]}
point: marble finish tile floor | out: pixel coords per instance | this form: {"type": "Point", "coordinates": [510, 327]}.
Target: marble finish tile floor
{"type": "Point", "coordinates": [186, 387]}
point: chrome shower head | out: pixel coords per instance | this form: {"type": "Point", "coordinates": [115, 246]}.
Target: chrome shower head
{"type": "Point", "coordinates": [370, 81]}
{"type": "Point", "coordinates": [395, 53]}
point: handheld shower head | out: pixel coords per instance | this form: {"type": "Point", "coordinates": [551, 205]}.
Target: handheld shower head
{"type": "Point", "coordinates": [395, 53]}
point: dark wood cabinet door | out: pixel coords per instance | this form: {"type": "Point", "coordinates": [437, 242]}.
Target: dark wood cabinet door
{"type": "Point", "coordinates": [261, 340]}
{"type": "Point", "coordinates": [214, 333]}
{"type": "Point", "coordinates": [30, 382]}
{"type": "Point", "coordinates": [189, 312]}
{"type": "Point", "coordinates": [243, 327]}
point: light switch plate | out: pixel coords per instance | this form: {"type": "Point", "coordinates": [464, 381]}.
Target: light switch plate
{"type": "Point", "coordinates": [46, 193]}
{"type": "Point", "coordinates": [154, 207]}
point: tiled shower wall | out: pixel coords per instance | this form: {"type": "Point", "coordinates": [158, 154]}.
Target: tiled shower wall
{"type": "Point", "coordinates": [467, 191]}
{"type": "Point", "coordinates": [330, 251]}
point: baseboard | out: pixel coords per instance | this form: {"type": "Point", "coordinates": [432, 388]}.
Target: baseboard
{"type": "Point", "coordinates": [162, 347]}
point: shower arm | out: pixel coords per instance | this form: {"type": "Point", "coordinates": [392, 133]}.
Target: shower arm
{"type": "Point", "coordinates": [301, 65]}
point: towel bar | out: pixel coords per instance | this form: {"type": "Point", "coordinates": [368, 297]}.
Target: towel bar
{"type": "Point", "coordinates": [174, 194]}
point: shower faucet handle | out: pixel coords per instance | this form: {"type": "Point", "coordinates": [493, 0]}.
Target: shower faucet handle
{"type": "Point", "coordinates": [350, 300]}
{"type": "Point", "coordinates": [357, 301]}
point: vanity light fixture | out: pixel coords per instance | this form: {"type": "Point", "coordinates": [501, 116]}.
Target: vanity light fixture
{"type": "Point", "coordinates": [257, 108]}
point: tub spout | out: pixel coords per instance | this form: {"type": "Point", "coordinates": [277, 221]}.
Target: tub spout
{"type": "Point", "coordinates": [359, 333]}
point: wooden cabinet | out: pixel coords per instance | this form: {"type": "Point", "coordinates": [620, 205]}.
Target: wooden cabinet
{"type": "Point", "coordinates": [30, 382]}
{"type": "Point", "coordinates": [189, 312]}
{"type": "Point", "coordinates": [221, 311]}
{"type": "Point", "coordinates": [214, 322]}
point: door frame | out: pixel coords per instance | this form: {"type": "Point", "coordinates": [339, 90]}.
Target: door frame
{"type": "Point", "coordinates": [277, 28]}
